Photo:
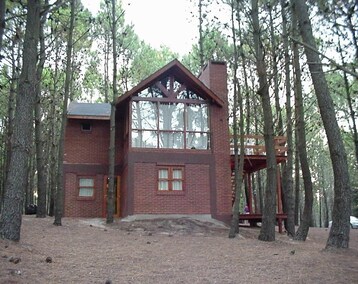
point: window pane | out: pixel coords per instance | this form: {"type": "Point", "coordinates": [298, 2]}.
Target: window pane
{"type": "Point", "coordinates": [177, 185]}
{"type": "Point", "coordinates": [144, 115]}
{"type": "Point", "coordinates": [187, 94]}
{"type": "Point", "coordinates": [86, 191]}
{"type": "Point", "coordinates": [171, 116]}
{"type": "Point", "coordinates": [197, 118]}
{"type": "Point", "coordinates": [173, 140]}
{"type": "Point", "coordinates": [163, 174]}
{"type": "Point", "coordinates": [197, 141]}
{"type": "Point", "coordinates": [177, 174]}
{"type": "Point", "coordinates": [144, 139]}
{"type": "Point", "coordinates": [86, 182]}
{"type": "Point", "coordinates": [151, 92]}
{"type": "Point", "coordinates": [163, 185]}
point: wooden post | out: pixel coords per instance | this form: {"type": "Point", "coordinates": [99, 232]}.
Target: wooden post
{"type": "Point", "coordinates": [248, 176]}
{"type": "Point", "coordinates": [279, 199]}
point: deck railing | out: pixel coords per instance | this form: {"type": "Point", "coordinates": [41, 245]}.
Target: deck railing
{"type": "Point", "coordinates": [255, 145]}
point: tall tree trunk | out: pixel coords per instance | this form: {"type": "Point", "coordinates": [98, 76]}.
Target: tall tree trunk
{"type": "Point", "coordinates": [239, 164]}
{"type": "Point", "coordinates": [201, 38]}
{"type": "Point", "coordinates": [10, 222]}
{"type": "Point", "coordinates": [2, 21]}
{"type": "Point", "coordinates": [53, 151]}
{"type": "Point", "coordinates": [30, 181]}
{"type": "Point", "coordinates": [339, 233]}
{"type": "Point", "coordinates": [325, 204]}
{"type": "Point", "coordinates": [288, 199]}
{"type": "Point", "coordinates": [11, 110]}
{"type": "Point", "coordinates": [112, 139]}
{"type": "Point", "coordinates": [106, 68]}
{"type": "Point", "coordinates": [306, 219]}
{"type": "Point", "coordinates": [59, 200]}
{"type": "Point", "coordinates": [39, 141]}
{"type": "Point", "coordinates": [267, 232]}
{"type": "Point", "coordinates": [279, 127]}
{"type": "Point", "coordinates": [297, 182]}
{"type": "Point", "coordinates": [350, 101]}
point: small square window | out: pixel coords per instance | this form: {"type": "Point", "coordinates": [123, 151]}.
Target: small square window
{"type": "Point", "coordinates": [170, 179]}
{"type": "Point", "coordinates": [86, 127]}
{"type": "Point", "coordinates": [86, 187]}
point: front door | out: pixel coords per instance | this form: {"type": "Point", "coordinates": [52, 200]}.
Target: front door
{"type": "Point", "coordinates": [117, 183]}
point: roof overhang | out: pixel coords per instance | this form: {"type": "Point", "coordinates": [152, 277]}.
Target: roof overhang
{"type": "Point", "coordinates": [182, 74]}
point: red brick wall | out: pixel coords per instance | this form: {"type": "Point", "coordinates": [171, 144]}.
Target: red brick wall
{"type": "Point", "coordinates": [123, 190]}
{"type": "Point", "coordinates": [75, 207]}
{"type": "Point", "coordinates": [85, 153]}
{"type": "Point", "coordinates": [195, 199]}
{"type": "Point", "coordinates": [87, 147]}
{"type": "Point", "coordinates": [214, 76]}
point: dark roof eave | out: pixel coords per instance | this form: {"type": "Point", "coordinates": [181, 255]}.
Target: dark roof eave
{"type": "Point", "coordinates": [88, 117]}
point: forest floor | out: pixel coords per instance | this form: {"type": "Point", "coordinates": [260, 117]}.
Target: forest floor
{"type": "Point", "coordinates": [168, 251]}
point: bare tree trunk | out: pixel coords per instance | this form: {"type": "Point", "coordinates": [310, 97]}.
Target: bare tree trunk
{"type": "Point", "coordinates": [267, 232]}
{"type": "Point", "coordinates": [239, 165]}
{"type": "Point", "coordinates": [11, 108]}
{"type": "Point", "coordinates": [112, 140]}
{"type": "Point", "coordinates": [288, 199]}
{"type": "Point", "coordinates": [305, 223]}
{"type": "Point", "coordinates": [59, 200]}
{"type": "Point", "coordinates": [297, 183]}
{"type": "Point", "coordinates": [339, 233]}
{"type": "Point", "coordinates": [39, 141]}
{"type": "Point", "coordinates": [10, 222]}
{"type": "Point", "coordinates": [325, 203]}
{"type": "Point", "coordinates": [53, 151]}
{"type": "Point", "coordinates": [350, 101]}
{"type": "Point", "coordinates": [279, 128]}
{"type": "Point", "coordinates": [106, 69]}
{"type": "Point", "coordinates": [2, 21]}
{"type": "Point", "coordinates": [29, 197]}
{"type": "Point", "coordinates": [201, 38]}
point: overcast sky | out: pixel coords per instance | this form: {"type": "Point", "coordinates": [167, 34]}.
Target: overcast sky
{"type": "Point", "coordinates": [160, 22]}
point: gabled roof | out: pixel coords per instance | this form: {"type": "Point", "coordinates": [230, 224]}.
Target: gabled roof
{"type": "Point", "coordinates": [181, 73]}
{"type": "Point", "coordinates": [100, 111]}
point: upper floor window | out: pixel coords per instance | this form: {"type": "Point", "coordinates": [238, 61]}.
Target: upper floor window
{"type": "Point", "coordinates": [86, 126]}
{"type": "Point", "coordinates": [181, 121]}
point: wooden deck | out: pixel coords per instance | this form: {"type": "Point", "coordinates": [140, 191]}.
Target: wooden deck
{"type": "Point", "coordinates": [255, 218]}
{"type": "Point", "coordinates": [255, 160]}
{"type": "Point", "coordinates": [258, 217]}
{"type": "Point", "coordinates": [255, 152]}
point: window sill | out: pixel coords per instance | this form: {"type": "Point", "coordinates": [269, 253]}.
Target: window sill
{"type": "Point", "coordinates": [170, 192]}
{"type": "Point", "coordinates": [82, 198]}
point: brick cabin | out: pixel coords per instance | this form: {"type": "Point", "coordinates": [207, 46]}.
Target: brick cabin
{"type": "Point", "coordinates": [172, 148]}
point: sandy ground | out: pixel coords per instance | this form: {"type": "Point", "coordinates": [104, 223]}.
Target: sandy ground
{"type": "Point", "coordinates": [168, 251]}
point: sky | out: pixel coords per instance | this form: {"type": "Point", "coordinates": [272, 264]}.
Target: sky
{"type": "Point", "coordinates": [159, 22]}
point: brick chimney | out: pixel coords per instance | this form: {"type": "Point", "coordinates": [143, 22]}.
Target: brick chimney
{"type": "Point", "coordinates": [214, 76]}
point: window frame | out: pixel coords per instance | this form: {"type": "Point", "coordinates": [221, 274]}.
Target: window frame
{"type": "Point", "coordinates": [158, 131]}
{"type": "Point", "coordinates": [171, 179]}
{"type": "Point", "coordinates": [79, 197]}
{"type": "Point", "coordinates": [86, 130]}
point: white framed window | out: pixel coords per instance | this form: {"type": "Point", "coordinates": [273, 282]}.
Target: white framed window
{"type": "Point", "coordinates": [86, 187]}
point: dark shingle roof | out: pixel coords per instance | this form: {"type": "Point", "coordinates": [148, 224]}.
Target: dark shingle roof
{"type": "Point", "coordinates": [89, 110]}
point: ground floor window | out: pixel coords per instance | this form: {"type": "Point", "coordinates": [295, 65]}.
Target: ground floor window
{"type": "Point", "coordinates": [170, 178]}
{"type": "Point", "coordinates": [86, 187]}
